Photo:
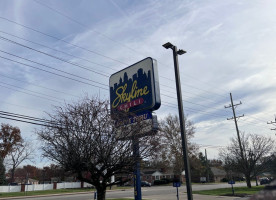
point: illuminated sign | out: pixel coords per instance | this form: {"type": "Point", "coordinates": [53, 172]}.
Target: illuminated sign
{"type": "Point", "coordinates": [135, 88]}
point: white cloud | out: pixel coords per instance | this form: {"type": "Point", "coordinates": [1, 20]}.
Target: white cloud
{"type": "Point", "coordinates": [230, 48]}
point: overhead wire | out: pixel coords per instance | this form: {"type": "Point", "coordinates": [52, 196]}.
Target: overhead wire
{"type": "Point", "coordinates": [59, 39]}
{"type": "Point", "coordinates": [47, 66]}
{"type": "Point", "coordinates": [25, 117]}
{"type": "Point", "coordinates": [55, 57]}
{"type": "Point", "coordinates": [191, 109]}
{"type": "Point", "coordinates": [20, 106]}
{"type": "Point", "coordinates": [66, 72]}
{"type": "Point", "coordinates": [53, 73]}
{"type": "Point", "coordinates": [105, 66]}
{"type": "Point", "coordinates": [192, 102]}
{"type": "Point", "coordinates": [19, 120]}
{"type": "Point", "coordinates": [58, 91]}
{"type": "Point", "coordinates": [165, 77]}
{"type": "Point", "coordinates": [69, 73]}
{"type": "Point", "coordinates": [63, 52]}
{"type": "Point", "coordinates": [15, 86]}
{"type": "Point", "coordinates": [104, 35]}
{"type": "Point", "coordinates": [74, 44]}
{"type": "Point", "coordinates": [42, 97]}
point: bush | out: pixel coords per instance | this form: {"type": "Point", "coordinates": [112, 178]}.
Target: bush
{"type": "Point", "coordinates": [224, 180]}
{"type": "Point", "coordinates": [160, 182]}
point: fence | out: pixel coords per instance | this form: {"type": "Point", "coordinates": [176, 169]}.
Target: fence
{"type": "Point", "coordinates": [37, 187]}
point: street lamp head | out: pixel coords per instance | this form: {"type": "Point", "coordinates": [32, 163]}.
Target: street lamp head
{"type": "Point", "coordinates": [181, 51]}
{"type": "Point", "coordinates": [168, 45]}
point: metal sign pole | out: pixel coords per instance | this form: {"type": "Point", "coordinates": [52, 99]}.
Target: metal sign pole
{"type": "Point", "coordinates": [177, 193]}
{"type": "Point", "coordinates": [137, 178]}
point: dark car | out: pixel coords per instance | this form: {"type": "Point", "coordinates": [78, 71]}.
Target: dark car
{"type": "Point", "coordinates": [145, 184]}
{"type": "Point", "coordinates": [13, 184]}
{"type": "Point", "coordinates": [264, 181]}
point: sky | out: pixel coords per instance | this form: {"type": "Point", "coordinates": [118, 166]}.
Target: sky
{"type": "Point", "coordinates": [52, 52]}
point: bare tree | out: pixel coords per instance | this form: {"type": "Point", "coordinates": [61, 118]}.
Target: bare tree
{"type": "Point", "coordinates": [255, 149]}
{"type": "Point", "coordinates": [85, 141]}
{"type": "Point", "coordinates": [171, 149]}
{"type": "Point", "coordinates": [21, 152]}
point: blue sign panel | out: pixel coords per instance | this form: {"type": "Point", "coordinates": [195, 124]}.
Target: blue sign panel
{"type": "Point", "coordinates": [231, 182]}
{"type": "Point", "coordinates": [135, 88]}
{"type": "Point", "coordinates": [134, 119]}
{"type": "Point", "coordinates": [176, 184]}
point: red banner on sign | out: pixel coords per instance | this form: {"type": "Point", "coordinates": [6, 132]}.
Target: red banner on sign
{"type": "Point", "coordinates": [133, 103]}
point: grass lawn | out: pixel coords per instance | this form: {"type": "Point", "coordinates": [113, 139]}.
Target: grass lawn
{"type": "Point", "coordinates": [59, 191]}
{"type": "Point", "coordinates": [43, 192]}
{"type": "Point", "coordinates": [239, 191]}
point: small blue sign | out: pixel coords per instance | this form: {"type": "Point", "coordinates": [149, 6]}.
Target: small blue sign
{"type": "Point", "coordinates": [176, 184]}
{"type": "Point", "coordinates": [231, 182]}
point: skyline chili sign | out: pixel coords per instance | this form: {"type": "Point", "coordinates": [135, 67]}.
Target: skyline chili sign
{"type": "Point", "coordinates": [135, 89]}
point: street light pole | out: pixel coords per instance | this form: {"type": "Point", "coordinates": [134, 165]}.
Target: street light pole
{"type": "Point", "coordinates": [181, 117]}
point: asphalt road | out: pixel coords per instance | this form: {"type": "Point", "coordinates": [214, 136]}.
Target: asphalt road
{"type": "Point", "coordinates": [146, 191]}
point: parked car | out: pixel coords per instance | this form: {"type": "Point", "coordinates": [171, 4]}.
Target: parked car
{"type": "Point", "coordinates": [145, 184]}
{"type": "Point", "coordinates": [264, 181]}
{"type": "Point", "coordinates": [13, 184]}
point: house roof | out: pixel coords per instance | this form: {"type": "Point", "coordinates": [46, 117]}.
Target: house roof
{"type": "Point", "coordinates": [218, 172]}
{"type": "Point", "coordinates": [150, 172]}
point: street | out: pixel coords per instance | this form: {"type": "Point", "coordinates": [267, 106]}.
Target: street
{"type": "Point", "coordinates": [164, 192]}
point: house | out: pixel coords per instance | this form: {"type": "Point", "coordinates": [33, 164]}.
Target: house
{"type": "Point", "coordinates": [219, 174]}
{"type": "Point", "coordinates": [32, 181]}
{"type": "Point", "coordinates": [152, 175]}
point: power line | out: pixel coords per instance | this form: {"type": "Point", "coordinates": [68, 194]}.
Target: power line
{"type": "Point", "coordinates": [47, 66]}
{"type": "Point", "coordinates": [31, 91]}
{"type": "Point", "coordinates": [54, 73]}
{"type": "Point", "coordinates": [45, 34]}
{"type": "Point", "coordinates": [63, 72]}
{"type": "Point", "coordinates": [45, 98]}
{"type": "Point", "coordinates": [58, 91]}
{"type": "Point", "coordinates": [98, 64]}
{"type": "Point", "coordinates": [24, 117]}
{"type": "Point", "coordinates": [56, 38]}
{"type": "Point", "coordinates": [190, 109]}
{"type": "Point", "coordinates": [25, 121]}
{"type": "Point", "coordinates": [210, 100]}
{"type": "Point", "coordinates": [190, 102]}
{"type": "Point", "coordinates": [68, 54]}
{"type": "Point", "coordinates": [105, 36]}
{"type": "Point", "coordinates": [188, 85]}
{"type": "Point", "coordinates": [20, 106]}
{"type": "Point", "coordinates": [67, 72]}
{"type": "Point", "coordinates": [52, 56]}
{"type": "Point", "coordinates": [85, 26]}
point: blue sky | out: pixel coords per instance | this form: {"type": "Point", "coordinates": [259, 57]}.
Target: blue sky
{"type": "Point", "coordinates": [230, 48]}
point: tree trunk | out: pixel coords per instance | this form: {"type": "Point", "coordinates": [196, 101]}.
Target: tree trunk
{"type": "Point", "coordinates": [248, 182]}
{"type": "Point", "coordinates": [256, 181]}
{"type": "Point", "coordinates": [12, 174]}
{"type": "Point", "coordinates": [101, 193]}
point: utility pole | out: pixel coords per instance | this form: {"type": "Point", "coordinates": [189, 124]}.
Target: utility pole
{"type": "Point", "coordinates": [176, 52]}
{"type": "Point", "coordinates": [233, 106]}
{"type": "Point", "coordinates": [273, 123]}
{"type": "Point", "coordinates": [207, 166]}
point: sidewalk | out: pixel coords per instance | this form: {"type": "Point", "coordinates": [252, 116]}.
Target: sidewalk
{"type": "Point", "coordinates": [195, 197]}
